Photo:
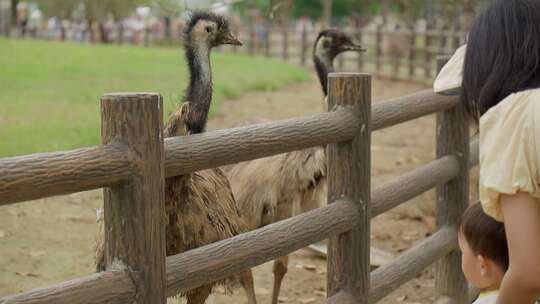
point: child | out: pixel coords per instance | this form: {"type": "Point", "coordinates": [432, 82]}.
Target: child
{"type": "Point", "coordinates": [484, 250]}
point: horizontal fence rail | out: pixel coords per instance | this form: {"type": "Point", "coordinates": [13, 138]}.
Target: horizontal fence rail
{"type": "Point", "coordinates": [401, 189]}
{"type": "Point", "coordinates": [47, 174]}
{"type": "Point", "coordinates": [104, 287]}
{"type": "Point", "coordinates": [225, 258]}
{"type": "Point", "coordinates": [186, 154]}
{"type": "Point", "coordinates": [410, 263]}
{"type": "Point", "coordinates": [397, 110]}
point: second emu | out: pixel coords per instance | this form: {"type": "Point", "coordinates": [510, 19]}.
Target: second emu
{"type": "Point", "coordinates": [275, 188]}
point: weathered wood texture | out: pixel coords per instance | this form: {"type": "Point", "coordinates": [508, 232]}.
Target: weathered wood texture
{"type": "Point", "coordinates": [401, 189]}
{"type": "Point", "coordinates": [401, 109]}
{"type": "Point", "coordinates": [216, 148]}
{"type": "Point", "coordinates": [474, 155]}
{"type": "Point", "coordinates": [46, 174]}
{"type": "Point", "coordinates": [445, 300]}
{"type": "Point", "coordinates": [134, 209]}
{"type": "Point", "coordinates": [349, 170]}
{"type": "Point", "coordinates": [285, 47]}
{"type": "Point", "coordinates": [411, 262]}
{"type": "Point", "coordinates": [452, 197]}
{"type": "Point", "coordinates": [303, 47]}
{"type": "Point", "coordinates": [225, 258]}
{"type": "Point", "coordinates": [209, 263]}
{"type": "Point", "coordinates": [409, 185]}
{"type": "Point", "coordinates": [412, 52]}
{"type": "Point", "coordinates": [104, 287]}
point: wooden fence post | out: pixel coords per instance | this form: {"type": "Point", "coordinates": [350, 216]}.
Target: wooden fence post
{"type": "Point", "coordinates": [452, 197]}
{"type": "Point", "coordinates": [349, 177]}
{"type": "Point", "coordinates": [236, 33]}
{"type": "Point", "coordinates": [147, 37]}
{"type": "Point", "coordinates": [304, 47]}
{"type": "Point", "coordinates": [134, 209]}
{"type": "Point", "coordinates": [454, 36]}
{"type": "Point", "coordinates": [427, 53]}
{"type": "Point", "coordinates": [412, 51]}
{"type": "Point", "coordinates": [252, 40]}
{"type": "Point", "coordinates": [285, 54]}
{"type": "Point", "coordinates": [360, 55]}
{"type": "Point", "coordinates": [267, 41]}
{"type": "Point", "coordinates": [378, 48]}
{"type": "Point", "coordinates": [443, 43]}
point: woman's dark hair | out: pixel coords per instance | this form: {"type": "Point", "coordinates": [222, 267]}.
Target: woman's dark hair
{"type": "Point", "coordinates": [503, 54]}
{"type": "Point", "coordinates": [485, 236]}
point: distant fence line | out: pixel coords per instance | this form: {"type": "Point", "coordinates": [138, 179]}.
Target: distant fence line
{"type": "Point", "coordinates": [406, 53]}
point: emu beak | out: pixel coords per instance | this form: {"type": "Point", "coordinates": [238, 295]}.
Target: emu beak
{"type": "Point", "coordinates": [353, 47]}
{"type": "Point", "coordinates": [231, 39]}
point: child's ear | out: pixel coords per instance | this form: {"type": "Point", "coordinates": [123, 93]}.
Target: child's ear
{"type": "Point", "coordinates": [482, 262]}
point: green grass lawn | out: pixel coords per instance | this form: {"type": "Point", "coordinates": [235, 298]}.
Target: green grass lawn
{"type": "Point", "coordinates": [50, 91]}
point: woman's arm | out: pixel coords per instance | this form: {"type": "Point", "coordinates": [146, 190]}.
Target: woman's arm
{"type": "Point", "coordinates": [521, 283]}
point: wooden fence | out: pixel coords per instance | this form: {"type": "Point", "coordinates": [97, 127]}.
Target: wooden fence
{"type": "Point", "coordinates": [405, 53]}
{"type": "Point", "coordinates": [134, 159]}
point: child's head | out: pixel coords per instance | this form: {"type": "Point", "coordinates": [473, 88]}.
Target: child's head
{"type": "Point", "coordinates": [482, 241]}
{"type": "Point", "coordinates": [503, 54]}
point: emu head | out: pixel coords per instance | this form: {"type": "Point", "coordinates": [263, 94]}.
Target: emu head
{"type": "Point", "coordinates": [333, 42]}
{"type": "Point", "coordinates": [208, 29]}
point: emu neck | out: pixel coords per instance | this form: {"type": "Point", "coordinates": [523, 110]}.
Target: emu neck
{"type": "Point", "coordinates": [323, 66]}
{"type": "Point", "coordinates": [199, 91]}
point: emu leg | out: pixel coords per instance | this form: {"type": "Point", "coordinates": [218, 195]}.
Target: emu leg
{"type": "Point", "coordinates": [280, 269]}
{"type": "Point", "coordinates": [246, 279]}
{"type": "Point", "coordinates": [199, 295]}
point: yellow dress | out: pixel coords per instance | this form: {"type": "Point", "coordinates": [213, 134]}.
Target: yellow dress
{"type": "Point", "coordinates": [509, 158]}
{"type": "Point", "coordinates": [509, 138]}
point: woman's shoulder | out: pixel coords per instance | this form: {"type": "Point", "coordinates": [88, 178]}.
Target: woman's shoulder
{"type": "Point", "coordinates": [522, 107]}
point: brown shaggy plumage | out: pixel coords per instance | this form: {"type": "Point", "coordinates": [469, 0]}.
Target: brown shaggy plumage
{"type": "Point", "coordinates": [275, 188]}
{"type": "Point", "coordinates": [200, 209]}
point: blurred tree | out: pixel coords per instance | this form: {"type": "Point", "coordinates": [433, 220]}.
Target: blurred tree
{"type": "Point", "coordinates": [408, 10]}
{"type": "Point", "coordinates": [60, 8]}
{"type": "Point", "coordinates": [452, 8]}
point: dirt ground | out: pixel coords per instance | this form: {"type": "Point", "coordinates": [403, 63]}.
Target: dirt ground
{"type": "Point", "coordinates": [51, 240]}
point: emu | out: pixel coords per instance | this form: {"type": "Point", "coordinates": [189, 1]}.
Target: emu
{"type": "Point", "coordinates": [274, 188]}
{"type": "Point", "coordinates": [200, 207]}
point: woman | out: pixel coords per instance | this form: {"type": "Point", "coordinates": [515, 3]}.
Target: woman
{"type": "Point", "coordinates": [500, 89]}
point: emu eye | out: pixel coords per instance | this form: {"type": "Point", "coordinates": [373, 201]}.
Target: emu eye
{"type": "Point", "coordinates": [326, 44]}
{"type": "Point", "coordinates": [208, 29]}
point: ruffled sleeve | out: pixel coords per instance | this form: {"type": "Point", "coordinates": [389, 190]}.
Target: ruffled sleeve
{"type": "Point", "coordinates": [508, 150]}
{"type": "Point", "coordinates": [448, 81]}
